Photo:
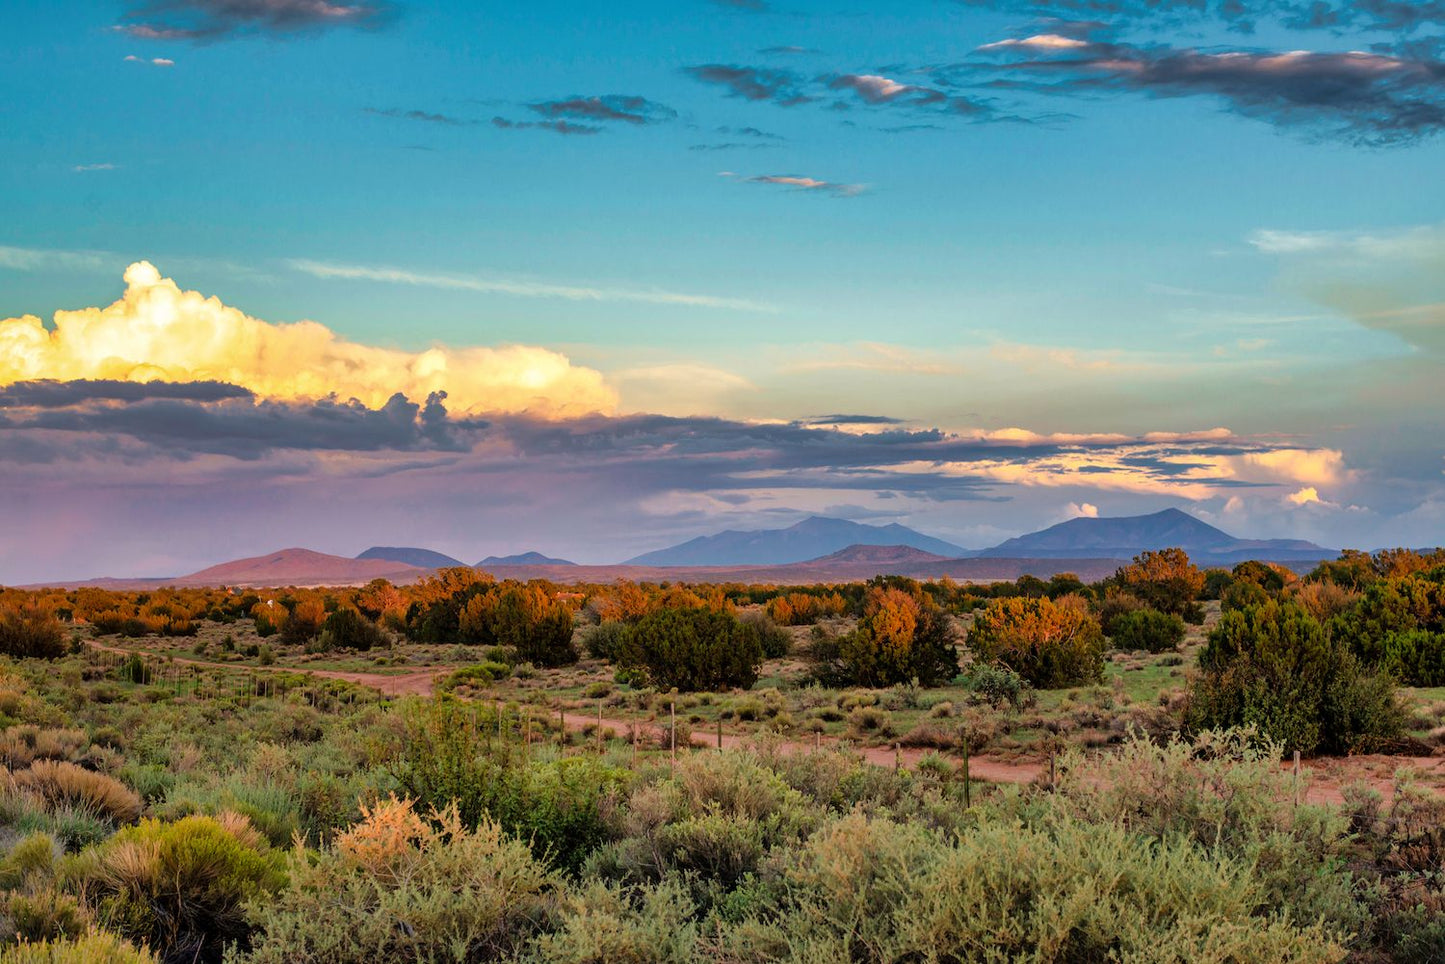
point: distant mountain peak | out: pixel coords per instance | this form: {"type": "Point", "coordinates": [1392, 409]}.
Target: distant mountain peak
{"type": "Point", "coordinates": [525, 559]}
{"type": "Point", "coordinates": [411, 556]}
{"type": "Point", "coordinates": [891, 555]}
{"type": "Point", "coordinates": [1122, 537]}
{"type": "Point", "coordinates": [810, 538]}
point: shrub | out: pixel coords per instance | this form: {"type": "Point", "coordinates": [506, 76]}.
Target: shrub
{"type": "Point", "coordinates": [1050, 644]}
{"type": "Point", "coordinates": [399, 887]}
{"type": "Point", "coordinates": [775, 640]}
{"type": "Point", "coordinates": [875, 890]}
{"type": "Point", "coordinates": [303, 623]}
{"type": "Point", "coordinates": [348, 629]}
{"type": "Point", "coordinates": [994, 684]}
{"type": "Point", "coordinates": [1275, 668]}
{"type": "Point", "coordinates": [30, 630]}
{"type": "Point", "coordinates": [1165, 580]}
{"type": "Point", "coordinates": [1115, 604]}
{"type": "Point", "coordinates": [693, 649]}
{"type": "Point", "coordinates": [61, 783]}
{"type": "Point", "coordinates": [555, 804]}
{"type": "Point", "coordinates": [902, 637]}
{"type": "Point", "coordinates": [605, 639]}
{"type": "Point", "coordinates": [97, 948]}
{"type": "Point", "coordinates": [1148, 629]}
{"type": "Point", "coordinates": [482, 674]}
{"type": "Point", "coordinates": [179, 887]}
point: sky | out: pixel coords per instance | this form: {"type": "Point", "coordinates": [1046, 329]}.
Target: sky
{"type": "Point", "coordinates": [593, 279]}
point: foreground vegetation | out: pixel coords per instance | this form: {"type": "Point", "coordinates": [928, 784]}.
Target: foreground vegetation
{"type": "Point", "coordinates": [236, 809]}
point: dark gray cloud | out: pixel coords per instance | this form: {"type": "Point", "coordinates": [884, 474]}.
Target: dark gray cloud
{"type": "Point", "coordinates": [417, 115]}
{"type": "Point", "coordinates": [624, 108]}
{"type": "Point", "coordinates": [218, 19]}
{"type": "Point", "coordinates": [555, 126]}
{"type": "Point", "coordinates": [786, 88]}
{"type": "Point", "coordinates": [781, 87]}
{"type": "Point", "coordinates": [184, 420]}
{"type": "Point", "coordinates": [1368, 98]}
{"type": "Point", "coordinates": [1394, 16]}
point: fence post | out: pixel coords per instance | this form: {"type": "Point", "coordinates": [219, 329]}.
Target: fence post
{"type": "Point", "coordinates": [1296, 778]}
{"type": "Point", "coordinates": [719, 732]}
{"type": "Point", "coordinates": [672, 734]}
{"type": "Point", "coordinates": [967, 781]}
{"type": "Point", "coordinates": [599, 728]}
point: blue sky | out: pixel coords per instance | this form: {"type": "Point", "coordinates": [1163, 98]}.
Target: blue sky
{"type": "Point", "coordinates": [970, 217]}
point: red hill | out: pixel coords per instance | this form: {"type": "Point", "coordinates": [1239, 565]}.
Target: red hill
{"type": "Point", "coordinates": [300, 567]}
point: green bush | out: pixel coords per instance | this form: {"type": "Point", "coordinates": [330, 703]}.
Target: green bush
{"type": "Point", "coordinates": [397, 887]}
{"type": "Point", "coordinates": [903, 637]}
{"type": "Point", "coordinates": [604, 640]}
{"type": "Point", "coordinates": [98, 948]}
{"type": "Point", "coordinates": [693, 649]}
{"type": "Point", "coordinates": [481, 674]}
{"type": "Point", "coordinates": [1050, 644]}
{"type": "Point", "coordinates": [994, 684]}
{"type": "Point", "coordinates": [1275, 668]}
{"type": "Point", "coordinates": [348, 629]}
{"type": "Point", "coordinates": [1148, 629]}
{"type": "Point", "coordinates": [445, 760]}
{"type": "Point", "coordinates": [179, 887]}
{"type": "Point", "coordinates": [775, 640]}
{"type": "Point", "coordinates": [31, 630]}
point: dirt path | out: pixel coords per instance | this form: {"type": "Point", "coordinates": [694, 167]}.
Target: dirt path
{"type": "Point", "coordinates": [1327, 777]}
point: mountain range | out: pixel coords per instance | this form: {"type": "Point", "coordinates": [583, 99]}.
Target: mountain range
{"type": "Point", "coordinates": [813, 538]}
{"type": "Point", "coordinates": [816, 549]}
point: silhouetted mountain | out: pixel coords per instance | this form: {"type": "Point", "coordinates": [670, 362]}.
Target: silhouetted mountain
{"type": "Point", "coordinates": [813, 537]}
{"type": "Point", "coordinates": [1127, 536]}
{"type": "Point", "coordinates": [525, 559]}
{"type": "Point", "coordinates": [407, 555]}
{"type": "Point", "coordinates": [882, 555]}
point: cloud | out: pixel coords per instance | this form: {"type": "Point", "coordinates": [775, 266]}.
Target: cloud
{"type": "Point", "coordinates": [799, 182]}
{"type": "Point", "coordinates": [152, 61]}
{"type": "Point", "coordinates": [1364, 97]}
{"type": "Point", "coordinates": [556, 126]}
{"type": "Point", "coordinates": [626, 108]}
{"type": "Point", "coordinates": [781, 87]}
{"type": "Point", "coordinates": [878, 90]}
{"type": "Point", "coordinates": [1304, 496]}
{"type": "Point", "coordinates": [1384, 280]}
{"type": "Point", "coordinates": [202, 20]}
{"type": "Point", "coordinates": [88, 168]}
{"type": "Point", "coordinates": [519, 288]}
{"type": "Point", "coordinates": [1082, 510]}
{"type": "Point", "coordinates": [416, 115]}
{"type": "Point", "coordinates": [158, 332]}
{"type": "Point", "coordinates": [39, 259]}
{"type": "Point", "coordinates": [162, 419]}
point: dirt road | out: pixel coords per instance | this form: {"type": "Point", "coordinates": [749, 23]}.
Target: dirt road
{"type": "Point", "coordinates": [1327, 777]}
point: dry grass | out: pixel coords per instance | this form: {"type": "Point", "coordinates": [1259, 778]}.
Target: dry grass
{"type": "Point", "coordinates": [59, 782]}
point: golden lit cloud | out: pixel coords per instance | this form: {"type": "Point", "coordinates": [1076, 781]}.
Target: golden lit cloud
{"type": "Point", "coordinates": [158, 332]}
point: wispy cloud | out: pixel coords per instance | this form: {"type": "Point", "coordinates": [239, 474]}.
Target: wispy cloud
{"type": "Point", "coordinates": [518, 287]}
{"type": "Point", "coordinates": [798, 182]}
{"type": "Point", "coordinates": [88, 168]}
{"type": "Point", "coordinates": [40, 259]}
{"type": "Point", "coordinates": [626, 108]}
{"type": "Point", "coordinates": [203, 20]}
{"type": "Point", "coordinates": [151, 61]}
{"type": "Point", "coordinates": [555, 126]}
{"type": "Point", "coordinates": [426, 117]}
{"type": "Point", "coordinates": [781, 87]}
